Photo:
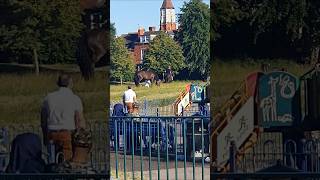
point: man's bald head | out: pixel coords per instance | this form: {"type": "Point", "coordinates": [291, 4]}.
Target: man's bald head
{"type": "Point", "coordinates": [64, 80]}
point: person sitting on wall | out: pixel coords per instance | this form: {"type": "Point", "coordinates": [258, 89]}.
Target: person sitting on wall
{"type": "Point", "coordinates": [26, 155]}
{"type": "Point", "coordinates": [61, 115]}
{"type": "Point", "coordinates": [118, 110]}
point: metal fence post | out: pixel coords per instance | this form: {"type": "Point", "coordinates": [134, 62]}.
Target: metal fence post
{"type": "Point", "coordinates": [304, 156]}
{"type": "Point", "coordinates": [232, 159]}
{"type": "Point", "coordinates": [52, 153]}
{"type": "Point", "coordinates": [145, 107]}
{"type": "Point", "coordinates": [3, 153]}
{"type": "Point", "coordinates": [182, 110]}
{"type": "Point", "coordinates": [157, 112]}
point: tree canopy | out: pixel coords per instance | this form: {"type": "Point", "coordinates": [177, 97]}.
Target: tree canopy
{"type": "Point", "coordinates": [267, 28]}
{"type": "Point", "coordinates": [162, 53]}
{"type": "Point", "coordinates": [122, 65]}
{"type": "Point", "coordinates": [194, 35]}
{"type": "Point", "coordinates": [48, 28]}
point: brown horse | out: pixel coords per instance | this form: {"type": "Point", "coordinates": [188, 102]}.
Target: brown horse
{"type": "Point", "coordinates": [92, 45]}
{"type": "Point", "coordinates": [92, 49]}
{"type": "Point", "coordinates": [146, 75]}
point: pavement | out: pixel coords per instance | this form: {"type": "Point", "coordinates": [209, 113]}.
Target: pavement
{"type": "Point", "coordinates": [136, 164]}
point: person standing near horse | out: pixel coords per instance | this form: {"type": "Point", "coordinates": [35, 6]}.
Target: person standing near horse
{"type": "Point", "coordinates": [169, 74]}
{"type": "Point", "coordinates": [61, 115]}
{"type": "Point", "coordinates": [129, 98]}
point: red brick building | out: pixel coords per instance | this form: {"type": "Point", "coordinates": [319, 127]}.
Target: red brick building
{"type": "Point", "coordinates": [138, 42]}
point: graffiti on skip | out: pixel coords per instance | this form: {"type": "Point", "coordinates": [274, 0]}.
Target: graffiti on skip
{"type": "Point", "coordinates": [277, 92]}
{"type": "Point", "coordinates": [197, 93]}
{"type": "Point", "coordinates": [238, 130]}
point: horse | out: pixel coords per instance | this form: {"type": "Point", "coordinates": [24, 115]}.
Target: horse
{"type": "Point", "coordinates": [92, 44]}
{"type": "Point", "coordinates": [146, 75]}
{"type": "Point", "coordinates": [91, 50]}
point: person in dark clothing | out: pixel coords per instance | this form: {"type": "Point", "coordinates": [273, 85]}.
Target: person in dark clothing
{"type": "Point", "coordinates": [118, 110]}
{"type": "Point", "coordinates": [25, 155]}
{"type": "Point", "coordinates": [169, 74]}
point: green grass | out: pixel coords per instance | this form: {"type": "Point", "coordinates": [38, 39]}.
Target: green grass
{"type": "Point", "coordinates": [164, 95]}
{"type": "Point", "coordinates": [21, 95]}
{"type": "Point", "coordinates": [226, 76]}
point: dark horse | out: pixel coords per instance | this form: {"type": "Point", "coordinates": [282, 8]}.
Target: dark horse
{"type": "Point", "coordinates": [92, 45]}
{"type": "Point", "coordinates": [91, 50]}
{"type": "Point", "coordinates": [146, 75]}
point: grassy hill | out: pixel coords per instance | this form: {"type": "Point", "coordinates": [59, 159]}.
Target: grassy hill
{"type": "Point", "coordinates": [21, 94]}
{"type": "Point", "coordinates": [162, 95]}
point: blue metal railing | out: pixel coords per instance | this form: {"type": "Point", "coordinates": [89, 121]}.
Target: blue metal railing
{"type": "Point", "coordinates": [98, 158]}
{"type": "Point", "coordinates": [161, 145]}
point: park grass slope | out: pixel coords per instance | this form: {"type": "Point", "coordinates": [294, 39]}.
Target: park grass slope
{"type": "Point", "coordinates": [21, 96]}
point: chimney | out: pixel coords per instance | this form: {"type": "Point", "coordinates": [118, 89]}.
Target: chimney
{"type": "Point", "coordinates": [152, 29]}
{"type": "Point", "coordinates": [140, 31]}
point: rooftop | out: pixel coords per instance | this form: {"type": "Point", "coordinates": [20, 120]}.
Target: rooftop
{"type": "Point", "coordinates": [167, 4]}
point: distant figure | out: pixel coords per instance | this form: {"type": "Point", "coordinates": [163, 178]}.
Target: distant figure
{"type": "Point", "coordinates": [26, 155]}
{"type": "Point", "coordinates": [61, 115]}
{"type": "Point", "coordinates": [169, 75]}
{"type": "Point", "coordinates": [129, 98]}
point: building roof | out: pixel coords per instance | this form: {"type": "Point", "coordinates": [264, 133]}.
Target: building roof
{"type": "Point", "coordinates": [167, 4]}
{"type": "Point", "coordinates": [131, 39]}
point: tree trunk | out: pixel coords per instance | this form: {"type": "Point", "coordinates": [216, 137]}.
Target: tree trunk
{"type": "Point", "coordinates": [36, 61]}
{"type": "Point", "coordinates": [121, 80]}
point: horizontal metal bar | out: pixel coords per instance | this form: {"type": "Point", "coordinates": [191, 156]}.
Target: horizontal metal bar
{"type": "Point", "coordinates": [55, 175]}
{"type": "Point", "coordinates": [266, 175]}
{"type": "Point", "coordinates": [160, 117]}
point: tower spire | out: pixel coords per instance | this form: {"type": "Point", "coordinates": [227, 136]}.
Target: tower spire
{"type": "Point", "coordinates": [167, 16]}
{"type": "Point", "coordinates": [167, 4]}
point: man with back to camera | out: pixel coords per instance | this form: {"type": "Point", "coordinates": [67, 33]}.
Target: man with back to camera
{"type": "Point", "coordinates": [61, 115]}
{"type": "Point", "coordinates": [129, 98]}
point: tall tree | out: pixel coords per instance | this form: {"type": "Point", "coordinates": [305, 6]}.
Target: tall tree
{"type": "Point", "coordinates": [194, 35]}
{"type": "Point", "coordinates": [162, 53]}
{"type": "Point", "coordinates": [42, 29]}
{"type": "Point", "coordinates": [122, 65]}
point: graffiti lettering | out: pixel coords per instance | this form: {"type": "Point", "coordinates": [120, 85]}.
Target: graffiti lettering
{"type": "Point", "coordinates": [277, 91]}
{"type": "Point", "coordinates": [286, 83]}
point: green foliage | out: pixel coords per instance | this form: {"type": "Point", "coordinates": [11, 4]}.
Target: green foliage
{"type": "Point", "coordinates": [122, 65]}
{"type": "Point", "coordinates": [162, 53]}
{"type": "Point", "coordinates": [49, 27]}
{"type": "Point", "coordinates": [112, 30]}
{"type": "Point", "coordinates": [224, 13]}
{"type": "Point", "coordinates": [293, 25]}
{"type": "Point", "coordinates": [194, 35]}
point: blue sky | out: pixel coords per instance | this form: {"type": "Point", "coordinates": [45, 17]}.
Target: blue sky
{"type": "Point", "coordinates": [128, 15]}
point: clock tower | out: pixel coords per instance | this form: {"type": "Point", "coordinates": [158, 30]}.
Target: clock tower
{"type": "Point", "coordinates": [167, 16]}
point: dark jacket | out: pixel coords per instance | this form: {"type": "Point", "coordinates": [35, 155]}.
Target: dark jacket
{"type": "Point", "coordinates": [25, 155]}
{"type": "Point", "coordinates": [118, 110]}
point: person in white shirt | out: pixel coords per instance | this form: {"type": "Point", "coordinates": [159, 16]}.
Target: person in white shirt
{"type": "Point", "coordinates": [61, 115]}
{"type": "Point", "coordinates": [129, 98]}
